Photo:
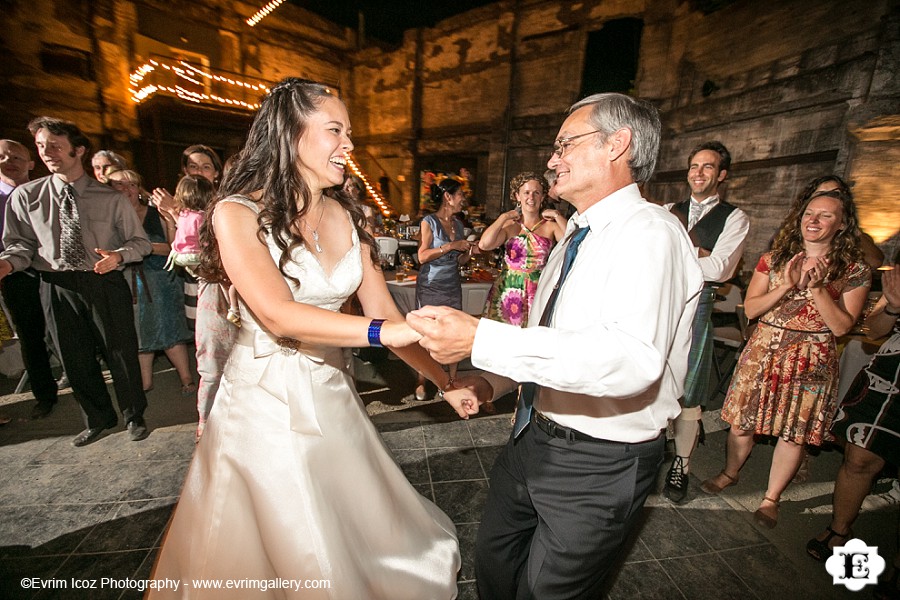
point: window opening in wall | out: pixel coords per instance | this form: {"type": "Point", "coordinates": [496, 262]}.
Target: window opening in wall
{"type": "Point", "coordinates": [63, 60]}
{"type": "Point", "coordinates": [611, 57]}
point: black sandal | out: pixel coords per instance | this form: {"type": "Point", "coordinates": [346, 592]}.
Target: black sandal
{"type": "Point", "coordinates": [819, 549]}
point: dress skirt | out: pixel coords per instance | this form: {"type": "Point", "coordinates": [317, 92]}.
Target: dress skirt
{"type": "Point", "coordinates": [285, 485]}
{"type": "Point", "coordinates": [785, 385]}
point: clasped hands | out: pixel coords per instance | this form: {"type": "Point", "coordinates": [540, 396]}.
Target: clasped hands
{"type": "Point", "coordinates": [448, 335]}
{"type": "Point", "coordinates": [805, 272]}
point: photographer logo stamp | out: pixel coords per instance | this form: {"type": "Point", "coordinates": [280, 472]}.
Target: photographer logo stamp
{"type": "Point", "coordinates": [855, 565]}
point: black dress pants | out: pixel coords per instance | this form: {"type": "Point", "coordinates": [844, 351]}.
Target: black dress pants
{"type": "Point", "coordinates": [557, 514]}
{"type": "Point", "coordinates": [87, 312]}
{"type": "Point", "coordinates": [22, 294]}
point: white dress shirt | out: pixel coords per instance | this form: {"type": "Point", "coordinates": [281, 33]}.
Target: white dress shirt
{"type": "Point", "coordinates": [613, 361]}
{"type": "Point", "coordinates": [723, 261]}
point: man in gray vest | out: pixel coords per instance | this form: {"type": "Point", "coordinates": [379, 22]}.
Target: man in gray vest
{"type": "Point", "coordinates": [718, 231]}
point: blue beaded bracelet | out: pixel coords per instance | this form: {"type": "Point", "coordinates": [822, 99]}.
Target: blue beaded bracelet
{"type": "Point", "coordinates": [375, 333]}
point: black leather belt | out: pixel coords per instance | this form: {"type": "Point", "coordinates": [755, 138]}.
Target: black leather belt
{"type": "Point", "coordinates": [554, 429]}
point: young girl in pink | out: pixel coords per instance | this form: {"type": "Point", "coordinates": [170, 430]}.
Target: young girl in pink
{"type": "Point", "coordinates": [193, 194]}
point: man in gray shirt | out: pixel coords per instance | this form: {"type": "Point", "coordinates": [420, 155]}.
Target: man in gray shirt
{"type": "Point", "coordinates": [78, 234]}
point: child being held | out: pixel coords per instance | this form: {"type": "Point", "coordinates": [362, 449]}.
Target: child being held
{"type": "Point", "coordinates": [193, 194]}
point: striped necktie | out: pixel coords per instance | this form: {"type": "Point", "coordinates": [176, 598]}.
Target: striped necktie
{"type": "Point", "coordinates": [528, 390]}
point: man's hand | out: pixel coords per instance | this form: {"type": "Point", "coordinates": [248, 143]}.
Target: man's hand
{"type": "Point", "coordinates": [111, 259]}
{"type": "Point", "coordinates": [447, 333]}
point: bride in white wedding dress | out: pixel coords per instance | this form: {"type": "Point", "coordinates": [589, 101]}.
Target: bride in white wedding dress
{"type": "Point", "coordinates": [290, 480]}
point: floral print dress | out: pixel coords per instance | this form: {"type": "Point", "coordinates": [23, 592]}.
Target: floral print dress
{"type": "Point", "coordinates": [785, 384]}
{"type": "Point", "coordinates": [524, 257]}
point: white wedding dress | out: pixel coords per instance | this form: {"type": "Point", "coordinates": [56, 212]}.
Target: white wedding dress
{"type": "Point", "coordinates": [291, 481]}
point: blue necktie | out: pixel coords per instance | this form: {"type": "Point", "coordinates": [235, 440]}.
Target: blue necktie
{"type": "Point", "coordinates": [529, 390]}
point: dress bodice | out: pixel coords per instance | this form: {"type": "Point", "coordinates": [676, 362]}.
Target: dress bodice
{"type": "Point", "coordinates": [156, 233]}
{"type": "Point", "coordinates": [316, 287]}
{"type": "Point", "coordinates": [797, 311]}
{"type": "Point", "coordinates": [528, 251]}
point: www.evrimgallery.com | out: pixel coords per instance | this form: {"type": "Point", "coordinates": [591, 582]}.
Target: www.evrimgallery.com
{"type": "Point", "coordinates": [262, 585]}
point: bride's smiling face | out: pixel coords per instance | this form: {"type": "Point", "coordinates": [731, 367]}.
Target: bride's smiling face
{"type": "Point", "coordinates": [323, 144]}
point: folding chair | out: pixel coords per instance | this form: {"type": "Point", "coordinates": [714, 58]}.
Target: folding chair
{"type": "Point", "coordinates": [728, 339]}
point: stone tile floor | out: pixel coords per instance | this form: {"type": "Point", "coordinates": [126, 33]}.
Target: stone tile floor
{"type": "Point", "coordinates": [70, 514]}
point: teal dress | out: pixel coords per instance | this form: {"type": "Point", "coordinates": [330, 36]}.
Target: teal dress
{"type": "Point", "coordinates": [438, 282]}
{"type": "Point", "coordinates": [159, 296]}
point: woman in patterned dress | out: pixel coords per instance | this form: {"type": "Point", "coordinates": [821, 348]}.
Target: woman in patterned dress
{"type": "Point", "coordinates": [528, 234]}
{"type": "Point", "coordinates": [810, 288]}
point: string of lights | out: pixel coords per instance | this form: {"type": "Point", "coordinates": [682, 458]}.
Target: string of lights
{"type": "Point", "coordinates": [141, 91]}
{"type": "Point", "coordinates": [191, 74]}
{"type": "Point", "coordinates": [373, 193]}
{"type": "Point", "coordinates": [264, 12]}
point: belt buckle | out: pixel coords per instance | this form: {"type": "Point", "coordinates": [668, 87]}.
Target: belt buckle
{"type": "Point", "coordinates": [551, 427]}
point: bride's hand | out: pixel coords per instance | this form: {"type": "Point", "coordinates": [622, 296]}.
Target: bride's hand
{"type": "Point", "coordinates": [468, 393]}
{"type": "Point", "coordinates": [398, 334]}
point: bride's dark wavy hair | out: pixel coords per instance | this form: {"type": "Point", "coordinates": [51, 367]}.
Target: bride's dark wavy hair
{"type": "Point", "coordinates": [268, 164]}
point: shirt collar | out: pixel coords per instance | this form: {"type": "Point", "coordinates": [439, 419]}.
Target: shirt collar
{"type": "Point", "coordinates": [79, 184]}
{"type": "Point", "coordinates": [604, 212]}
{"type": "Point", "coordinates": [5, 188]}
{"type": "Point", "coordinates": [710, 201]}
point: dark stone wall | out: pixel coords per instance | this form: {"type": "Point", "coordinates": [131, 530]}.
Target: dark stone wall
{"type": "Point", "coordinates": [796, 89]}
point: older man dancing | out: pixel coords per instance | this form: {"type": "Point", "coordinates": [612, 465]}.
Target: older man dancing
{"type": "Point", "coordinates": [604, 354]}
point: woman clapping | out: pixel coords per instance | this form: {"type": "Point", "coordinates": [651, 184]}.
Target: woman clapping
{"type": "Point", "coordinates": [810, 288]}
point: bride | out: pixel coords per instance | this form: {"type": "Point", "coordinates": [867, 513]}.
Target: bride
{"type": "Point", "coordinates": [290, 480]}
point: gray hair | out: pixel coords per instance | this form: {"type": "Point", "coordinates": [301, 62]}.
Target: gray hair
{"type": "Point", "coordinates": [115, 159]}
{"type": "Point", "coordinates": [550, 176]}
{"type": "Point", "coordinates": [612, 112]}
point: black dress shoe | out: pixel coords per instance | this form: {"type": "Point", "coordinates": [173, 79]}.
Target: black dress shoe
{"type": "Point", "coordinates": [90, 435]}
{"type": "Point", "coordinates": [42, 409]}
{"type": "Point", "coordinates": [137, 429]}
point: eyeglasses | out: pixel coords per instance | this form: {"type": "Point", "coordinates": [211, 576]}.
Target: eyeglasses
{"type": "Point", "coordinates": [562, 145]}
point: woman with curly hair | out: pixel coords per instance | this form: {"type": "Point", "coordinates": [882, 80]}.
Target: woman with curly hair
{"type": "Point", "coordinates": [527, 233]}
{"type": "Point", "coordinates": [275, 485]}
{"type": "Point", "coordinates": [810, 288]}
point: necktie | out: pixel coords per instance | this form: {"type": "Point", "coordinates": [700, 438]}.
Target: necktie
{"type": "Point", "coordinates": [71, 244]}
{"type": "Point", "coordinates": [529, 390]}
{"type": "Point", "coordinates": [694, 213]}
